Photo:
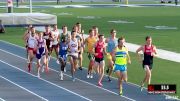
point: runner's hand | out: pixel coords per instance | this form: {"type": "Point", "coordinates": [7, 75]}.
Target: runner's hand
{"type": "Point", "coordinates": [129, 61]}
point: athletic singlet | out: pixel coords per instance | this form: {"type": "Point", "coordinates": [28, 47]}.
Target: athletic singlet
{"type": "Point", "coordinates": [121, 56]}
{"type": "Point", "coordinates": [64, 36]}
{"type": "Point", "coordinates": [46, 37]}
{"type": "Point", "coordinates": [32, 41]}
{"type": "Point", "coordinates": [63, 49]}
{"type": "Point", "coordinates": [99, 49]}
{"type": "Point", "coordinates": [73, 46]}
{"type": "Point", "coordinates": [148, 59]}
{"type": "Point", "coordinates": [112, 43]}
{"type": "Point", "coordinates": [55, 35]}
{"type": "Point", "coordinates": [41, 46]}
{"type": "Point", "coordinates": [90, 43]}
{"type": "Point", "coordinates": [41, 43]}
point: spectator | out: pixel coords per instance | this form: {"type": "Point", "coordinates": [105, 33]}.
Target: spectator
{"type": "Point", "coordinates": [9, 5]}
{"type": "Point", "coordinates": [162, 1]}
{"type": "Point", "coordinates": [2, 29]}
{"type": "Point", "coordinates": [176, 2]}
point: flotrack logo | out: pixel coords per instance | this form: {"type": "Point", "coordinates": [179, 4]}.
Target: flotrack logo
{"type": "Point", "coordinates": [171, 97]}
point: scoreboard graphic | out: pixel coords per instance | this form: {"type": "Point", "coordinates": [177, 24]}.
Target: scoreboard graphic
{"type": "Point", "coordinates": [162, 89]}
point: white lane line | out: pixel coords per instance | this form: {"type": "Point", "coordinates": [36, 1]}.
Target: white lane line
{"type": "Point", "coordinates": [2, 99]}
{"type": "Point", "coordinates": [76, 78]}
{"type": "Point", "coordinates": [46, 81]}
{"type": "Point", "coordinates": [21, 86]}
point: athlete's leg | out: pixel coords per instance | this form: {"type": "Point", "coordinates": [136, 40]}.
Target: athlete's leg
{"type": "Point", "coordinates": [110, 68]}
{"type": "Point", "coordinates": [72, 65]}
{"type": "Point", "coordinates": [101, 67]}
{"type": "Point", "coordinates": [118, 74]}
{"type": "Point", "coordinates": [120, 83]}
{"type": "Point", "coordinates": [90, 67]}
{"type": "Point", "coordinates": [147, 75]}
{"type": "Point", "coordinates": [38, 67]}
{"type": "Point", "coordinates": [148, 72]}
{"type": "Point", "coordinates": [30, 58]}
{"type": "Point", "coordinates": [125, 77]}
{"type": "Point", "coordinates": [62, 67]}
{"type": "Point", "coordinates": [80, 61]}
{"type": "Point", "coordinates": [56, 51]}
{"type": "Point", "coordinates": [96, 67]}
{"type": "Point", "coordinates": [47, 62]}
{"type": "Point", "coordinates": [75, 64]}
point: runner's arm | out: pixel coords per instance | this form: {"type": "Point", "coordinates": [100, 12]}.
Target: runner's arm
{"type": "Point", "coordinates": [113, 54]}
{"type": "Point", "coordinates": [138, 54]}
{"type": "Point", "coordinates": [154, 54]}
{"type": "Point", "coordinates": [128, 56]}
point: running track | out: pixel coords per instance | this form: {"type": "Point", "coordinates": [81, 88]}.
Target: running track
{"type": "Point", "coordinates": [16, 84]}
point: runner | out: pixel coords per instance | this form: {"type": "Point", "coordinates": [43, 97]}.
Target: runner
{"type": "Point", "coordinates": [63, 47]}
{"type": "Point", "coordinates": [25, 36]}
{"type": "Point", "coordinates": [111, 44]}
{"type": "Point", "coordinates": [55, 40]}
{"type": "Point", "coordinates": [96, 31]}
{"type": "Point", "coordinates": [90, 41]}
{"type": "Point", "coordinates": [74, 49]}
{"type": "Point", "coordinates": [47, 35]}
{"type": "Point", "coordinates": [79, 38]}
{"type": "Point", "coordinates": [41, 54]}
{"type": "Point", "coordinates": [32, 46]}
{"type": "Point", "coordinates": [121, 57]}
{"type": "Point", "coordinates": [65, 34]}
{"type": "Point", "coordinates": [100, 50]}
{"type": "Point", "coordinates": [149, 51]}
{"type": "Point", "coordinates": [80, 33]}
{"type": "Point", "coordinates": [67, 37]}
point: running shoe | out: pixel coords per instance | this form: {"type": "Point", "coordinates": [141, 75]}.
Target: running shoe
{"type": "Point", "coordinates": [80, 68]}
{"type": "Point", "coordinates": [88, 76]}
{"type": "Point", "coordinates": [91, 75]}
{"type": "Point", "coordinates": [73, 79]}
{"type": "Point", "coordinates": [42, 69]}
{"type": "Point", "coordinates": [29, 67]}
{"type": "Point", "coordinates": [141, 88]}
{"type": "Point", "coordinates": [109, 79]}
{"type": "Point", "coordinates": [107, 71]}
{"type": "Point", "coordinates": [38, 75]}
{"type": "Point", "coordinates": [57, 61]}
{"type": "Point", "coordinates": [64, 69]}
{"type": "Point", "coordinates": [120, 92]}
{"type": "Point", "coordinates": [100, 84]}
{"type": "Point", "coordinates": [61, 75]}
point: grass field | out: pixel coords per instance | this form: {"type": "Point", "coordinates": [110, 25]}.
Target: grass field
{"type": "Point", "coordinates": [164, 71]}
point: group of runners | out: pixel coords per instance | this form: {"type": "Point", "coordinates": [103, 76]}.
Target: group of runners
{"type": "Point", "coordinates": [71, 47]}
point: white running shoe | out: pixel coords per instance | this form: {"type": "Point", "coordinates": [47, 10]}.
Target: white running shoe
{"type": "Point", "coordinates": [88, 76]}
{"type": "Point", "coordinates": [64, 69]}
{"type": "Point", "coordinates": [42, 69]}
{"type": "Point", "coordinates": [73, 79]}
{"type": "Point", "coordinates": [57, 61]}
{"type": "Point", "coordinates": [141, 88]}
{"type": "Point", "coordinates": [91, 76]}
{"type": "Point", "coordinates": [38, 75]}
{"type": "Point", "coordinates": [49, 58]}
{"type": "Point", "coordinates": [61, 74]}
